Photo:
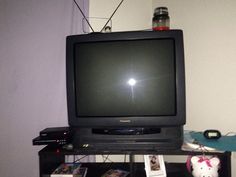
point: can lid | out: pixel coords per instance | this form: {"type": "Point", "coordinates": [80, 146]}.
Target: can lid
{"type": "Point", "coordinates": [161, 11]}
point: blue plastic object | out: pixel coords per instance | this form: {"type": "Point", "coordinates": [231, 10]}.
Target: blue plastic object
{"type": "Point", "coordinates": [225, 143]}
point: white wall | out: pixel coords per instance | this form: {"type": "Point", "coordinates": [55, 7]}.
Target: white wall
{"type": "Point", "coordinates": [132, 14]}
{"type": "Point", "coordinates": [210, 33]}
{"type": "Point", "coordinates": [32, 77]}
{"type": "Point", "coordinates": [210, 51]}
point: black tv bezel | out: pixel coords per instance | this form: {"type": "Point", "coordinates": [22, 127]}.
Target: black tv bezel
{"type": "Point", "coordinates": [138, 121]}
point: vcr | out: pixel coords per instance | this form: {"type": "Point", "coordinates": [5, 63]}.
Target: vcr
{"type": "Point", "coordinates": [129, 138]}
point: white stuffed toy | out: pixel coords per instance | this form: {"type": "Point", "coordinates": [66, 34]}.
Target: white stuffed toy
{"type": "Point", "coordinates": [205, 167]}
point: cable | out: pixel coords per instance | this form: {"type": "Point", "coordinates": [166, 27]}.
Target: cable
{"type": "Point", "coordinates": [78, 160]}
{"type": "Point", "coordinates": [83, 15]}
{"type": "Point", "coordinates": [230, 134]}
{"type": "Point", "coordinates": [112, 15]}
{"type": "Point", "coordinates": [106, 158]}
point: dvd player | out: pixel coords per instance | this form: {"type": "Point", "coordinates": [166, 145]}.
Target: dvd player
{"type": "Point", "coordinates": [55, 136]}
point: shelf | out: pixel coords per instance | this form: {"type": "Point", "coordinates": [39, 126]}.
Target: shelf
{"type": "Point", "coordinates": [50, 158]}
{"type": "Point", "coordinates": [84, 151]}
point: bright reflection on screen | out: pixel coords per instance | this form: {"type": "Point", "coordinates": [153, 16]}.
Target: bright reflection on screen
{"type": "Point", "coordinates": [131, 82]}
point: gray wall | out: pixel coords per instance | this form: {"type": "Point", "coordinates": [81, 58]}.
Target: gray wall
{"type": "Point", "coordinates": [32, 76]}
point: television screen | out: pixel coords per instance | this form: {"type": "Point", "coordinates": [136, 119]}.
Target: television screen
{"type": "Point", "coordinates": [126, 79]}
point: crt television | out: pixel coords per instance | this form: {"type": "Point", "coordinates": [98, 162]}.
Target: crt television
{"type": "Point", "coordinates": [126, 79]}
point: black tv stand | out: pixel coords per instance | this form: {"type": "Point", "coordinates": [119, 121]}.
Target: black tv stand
{"type": "Point", "coordinates": [126, 131]}
{"type": "Point", "coordinates": [51, 158]}
{"type": "Point", "coordinates": [129, 138]}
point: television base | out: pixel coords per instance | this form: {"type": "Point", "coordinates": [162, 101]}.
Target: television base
{"type": "Point", "coordinates": [110, 139]}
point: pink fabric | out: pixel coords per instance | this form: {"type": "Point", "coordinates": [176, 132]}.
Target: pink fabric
{"type": "Point", "coordinates": [204, 159]}
{"type": "Point", "coordinates": [188, 163]}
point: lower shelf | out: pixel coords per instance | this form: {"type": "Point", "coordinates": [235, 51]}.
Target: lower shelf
{"type": "Point", "coordinates": [98, 169]}
{"type": "Point", "coordinates": [50, 159]}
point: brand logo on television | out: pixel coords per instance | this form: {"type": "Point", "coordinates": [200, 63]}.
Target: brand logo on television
{"type": "Point", "coordinates": [125, 121]}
